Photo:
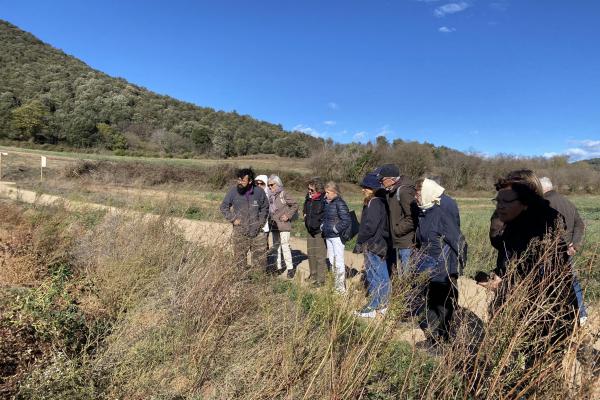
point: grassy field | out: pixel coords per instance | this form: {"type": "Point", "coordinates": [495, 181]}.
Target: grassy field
{"type": "Point", "coordinates": [102, 306]}
{"type": "Point", "coordinates": [187, 196]}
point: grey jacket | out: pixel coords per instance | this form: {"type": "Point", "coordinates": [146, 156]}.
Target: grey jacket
{"type": "Point", "coordinates": [283, 204]}
{"type": "Point", "coordinates": [251, 209]}
{"type": "Point", "coordinates": [574, 224]}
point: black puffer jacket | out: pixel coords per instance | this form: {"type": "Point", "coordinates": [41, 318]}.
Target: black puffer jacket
{"type": "Point", "coordinates": [313, 211]}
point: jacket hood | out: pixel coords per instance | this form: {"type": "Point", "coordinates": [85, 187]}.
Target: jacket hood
{"type": "Point", "coordinates": [262, 178]}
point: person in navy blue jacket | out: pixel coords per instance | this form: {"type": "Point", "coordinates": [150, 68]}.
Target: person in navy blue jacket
{"type": "Point", "coordinates": [336, 219]}
{"type": "Point", "coordinates": [439, 241]}
{"type": "Point", "coordinates": [372, 241]}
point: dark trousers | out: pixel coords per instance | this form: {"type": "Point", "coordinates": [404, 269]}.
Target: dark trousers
{"type": "Point", "coordinates": [441, 299]}
{"type": "Point", "coordinates": [317, 254]}
{"type": "Point", "coordinates": [257, 246]}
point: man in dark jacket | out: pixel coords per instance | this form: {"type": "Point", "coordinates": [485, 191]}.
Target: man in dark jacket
{"type": "Point", "coordinates": [574, 231]}
{"type": "Point", "coordinates": [247, 208]}
{"type": "Point", "coordinates": [314, 206]}
{"type": "Point", "coordinates": [403, 214]}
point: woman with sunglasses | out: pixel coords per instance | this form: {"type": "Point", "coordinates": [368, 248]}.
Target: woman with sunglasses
{"type": "Point", "coordinates": [282, 209]}
{"type": "Point", "coordinates": [313, 210]}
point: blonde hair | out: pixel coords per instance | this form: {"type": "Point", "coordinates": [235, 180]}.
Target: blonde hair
{"type": "Point", "coordinates": [332, 186]}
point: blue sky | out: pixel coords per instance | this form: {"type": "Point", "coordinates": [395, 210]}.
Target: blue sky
{"type": "Point", "coordinates": [490, 76]}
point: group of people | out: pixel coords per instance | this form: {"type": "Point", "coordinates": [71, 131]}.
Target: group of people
{"type": "Point", "coordinates": [409, 227]}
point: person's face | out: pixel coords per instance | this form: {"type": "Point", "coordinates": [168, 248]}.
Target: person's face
{"type": "Point", "coordinates": [508, 205]}
{"type": "Point", "coordinates": [418, 196]}
{"type": "Point", "coordinates": [387, 181]}
{"type": "Point", "coordinates": [244, 182]}
{"type": "Point", "coordinates": [260, 184]}
{"type": "Point", "coordinates": [311, 190]}
{"type": "Point", "coordinates": [368, 192]}
{"type": "Point", "coordinates": [330, 194]}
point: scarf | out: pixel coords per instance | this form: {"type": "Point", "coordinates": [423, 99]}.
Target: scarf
{"type": "Point", "coordinates": [273, 193]}
{"type": "Point", "coordinates": [430, 194]}
{"type": "Point", "coordinates": [316, 196]}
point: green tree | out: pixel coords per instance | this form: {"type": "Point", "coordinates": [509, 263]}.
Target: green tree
{"type": "Point", "coordinates": [222, 145]}
{"type": "Point", "coordinates": [112, 139]}
{"type": "Point", "coordinates": [29, 120]}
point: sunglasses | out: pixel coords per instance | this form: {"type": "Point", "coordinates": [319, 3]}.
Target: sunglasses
{"type": "Point", "coordinates": [271, 185]}
{"type": "Point", "coordinates": [259, 183]}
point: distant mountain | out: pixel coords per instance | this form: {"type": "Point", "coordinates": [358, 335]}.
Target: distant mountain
{"type": "Point", "coordinates": [47, 96]}
{"type": "Point", "coordinates": [594, 162]}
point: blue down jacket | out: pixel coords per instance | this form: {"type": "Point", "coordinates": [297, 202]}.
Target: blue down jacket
{"type": "Point", "coordinates": [336, 218]}
{"type": "Point", "coordinates": [439, 240]}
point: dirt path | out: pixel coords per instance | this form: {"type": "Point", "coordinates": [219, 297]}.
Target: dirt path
{"type": "Point", "coordinates": [471, 296]}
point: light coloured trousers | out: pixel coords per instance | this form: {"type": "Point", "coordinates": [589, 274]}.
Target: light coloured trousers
{"type": "Point", "coordinates": [335, 254]}
{"type": "Point", "coordinates": [281, 244]}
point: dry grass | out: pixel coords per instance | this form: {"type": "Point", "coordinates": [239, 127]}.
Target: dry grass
{"type": "Point", "coordinates": [181, 322]}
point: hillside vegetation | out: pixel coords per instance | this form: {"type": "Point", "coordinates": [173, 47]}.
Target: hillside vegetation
{"type": "Point", "coordinates": [52, 100]}
{"type": "Point", "coordinates": [47, 96]}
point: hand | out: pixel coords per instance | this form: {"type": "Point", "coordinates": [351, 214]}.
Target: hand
{"type": "Point", "coordinates": [571, 250]}
{"type": "Point", "coordinates": [284, 218]}
{"type": "Point", "coordinates": [493, 283]}
{"type": "Point", "coordinates": [237, 222]}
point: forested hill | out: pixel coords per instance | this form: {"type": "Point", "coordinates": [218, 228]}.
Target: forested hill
{"type": "Point", "coordinates": [47, 96]}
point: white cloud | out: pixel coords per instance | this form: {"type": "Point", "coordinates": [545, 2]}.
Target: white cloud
{"type": "Point", "coordinates": [584, 150]}
{"type": "Point", "coordinates": [385, 131]}
{"type": "Point", "coordinates": [359, 136]}
{"type": "Point", "coordinates": [308, 130]}
{"type": "Point", "coordinates": [450, 8]}
{"type": "Point", "coordinates": [329, 123]}
{"type": "Point", "coordinates": [499, 5]}
{"type": "Point", "coordinates": [333, 105]}
{"type": "Point", "coordinates": [445, 29]}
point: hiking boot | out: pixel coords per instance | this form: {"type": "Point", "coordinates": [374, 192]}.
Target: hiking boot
{"type": "Point", "coordinates": [291, 273]}
{"type": "Point", "coordinates": [382, 311]}
{"type": "Point", "coordinates": [366, 312]}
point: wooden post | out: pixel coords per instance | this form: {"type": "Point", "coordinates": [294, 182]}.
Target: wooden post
{"type": "Point", "coordinates": [1, 154]}
{"type": "Point", "coordinates": [42, 166]}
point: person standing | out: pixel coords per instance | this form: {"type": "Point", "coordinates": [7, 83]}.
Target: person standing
{"type": "Point", "coordinates": [402, 214]}
{"type": "Point", "coordinates": [282, 208]}
{"type": "Point", "coordinates": [313, 210]}
{"type": "Point", "coordinates": [261, 182]}
{"type": "Point", "coordinates": [247, 208]}
{"type": "Point", "coordinates": [575, 229]}
{"type": "Point", "coordinates": [531, 250]}
{"type": "Point", "coordinates": [372, 241]}
{"type": "Point", "coordinates": [336, 219]}
{"type": "Point", "coordinates": [439, 240]}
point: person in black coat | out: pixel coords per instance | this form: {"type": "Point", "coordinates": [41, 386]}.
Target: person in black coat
{"type": "Point", "coordinates": [372, 241]}
{"type": "Point", "coordinates": [313, 210]}
{"type": "Point", "coordinates": [533, 262]}
{"type": "Point", "coordinates": [439, 241]}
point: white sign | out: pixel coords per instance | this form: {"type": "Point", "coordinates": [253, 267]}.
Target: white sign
{"type": "Point", "coordinates": [43, 162]}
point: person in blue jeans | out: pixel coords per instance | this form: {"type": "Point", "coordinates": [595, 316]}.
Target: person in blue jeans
{"type": "Point", "coordinates": [372, 241]}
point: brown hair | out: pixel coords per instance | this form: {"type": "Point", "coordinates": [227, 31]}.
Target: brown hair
{"type": "Point", "coordinates": [525, 184]}
{"type": "Point", "coordinates": [317, 183]}
{"type": "Point", "coordinates": [523, 177]}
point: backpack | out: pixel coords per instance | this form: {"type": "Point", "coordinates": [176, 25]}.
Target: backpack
{"type": "Point", "coordinates": [352, 230]}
